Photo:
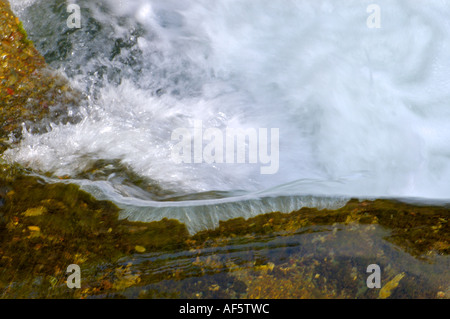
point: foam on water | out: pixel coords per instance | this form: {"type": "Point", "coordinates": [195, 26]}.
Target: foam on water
{"type": "Point", "coordinates": [362, 112]}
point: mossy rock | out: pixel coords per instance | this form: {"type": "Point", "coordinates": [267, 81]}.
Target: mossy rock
{"type": "Point", "coordinates": [30, 92]}
{"type": "Point", "coordinates": [46, 227]}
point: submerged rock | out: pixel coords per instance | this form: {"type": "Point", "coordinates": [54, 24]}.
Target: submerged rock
{"type": "Point", "coordinates": [305, 254]}
{"type": "Point", "coordinates": [31, 93]}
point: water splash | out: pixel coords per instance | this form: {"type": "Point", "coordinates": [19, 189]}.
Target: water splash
{"type": "Point", "coordinates": [362, 112]}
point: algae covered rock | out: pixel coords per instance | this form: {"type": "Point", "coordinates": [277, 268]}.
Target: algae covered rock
{"type": "Point", "coordinates": [30, 92]}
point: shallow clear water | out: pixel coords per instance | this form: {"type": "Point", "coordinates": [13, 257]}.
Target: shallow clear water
{"type": "Point", "coordinates": [361, 112]}
{"type": "Point", "coordinates": [316, 262]}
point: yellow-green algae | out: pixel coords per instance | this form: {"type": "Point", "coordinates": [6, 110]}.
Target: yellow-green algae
{"type": "Point", "coordinates": [46, 227]}
{"type": "Point", "coordinates": [29, 90]}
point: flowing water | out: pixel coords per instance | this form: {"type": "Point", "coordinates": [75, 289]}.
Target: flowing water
{"type": "Point", "coordinates": [361, 112]}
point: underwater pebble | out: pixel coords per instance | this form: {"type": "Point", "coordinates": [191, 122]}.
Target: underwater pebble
{"type": "Point", "coordinates": [35, 211]}
{"type": "Point", "coordinates": [139, 249]}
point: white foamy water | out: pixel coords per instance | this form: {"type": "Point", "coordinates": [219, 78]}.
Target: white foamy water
{"type": "Point", "coordinates": [362, 112]}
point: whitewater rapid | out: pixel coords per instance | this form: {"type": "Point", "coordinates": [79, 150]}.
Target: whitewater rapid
{"type": "Point", "coordinates": [361, 112]}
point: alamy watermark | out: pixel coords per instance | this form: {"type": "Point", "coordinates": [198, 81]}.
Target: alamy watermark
{"type": "Point", "coordinates": [74, 19]}
{"type": "Point", "coordinates": [374, 280]}
{"type": "Point", "coordinates": [374, 19]}
{"type": "Point", "coordinates": [231, 145]}
{"type": "Point", "coordinates": [74, 280]}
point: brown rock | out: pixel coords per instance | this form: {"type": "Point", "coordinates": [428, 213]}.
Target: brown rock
{"type": "Point", "coordinates": [29, 89]}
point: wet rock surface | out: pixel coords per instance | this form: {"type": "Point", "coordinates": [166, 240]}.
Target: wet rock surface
{"type": "Point", "coordinates": [305, 254]}
{"type": "Point", "coordinates": [30, 92]}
